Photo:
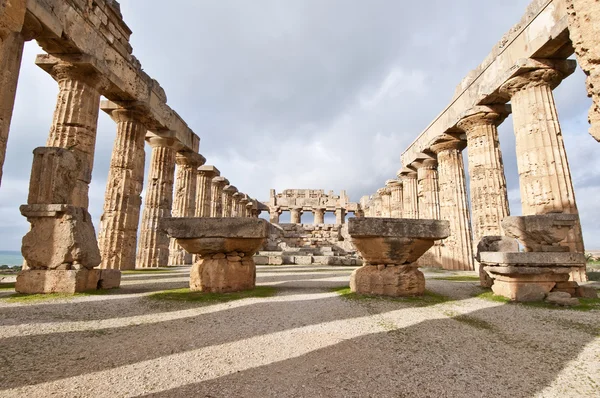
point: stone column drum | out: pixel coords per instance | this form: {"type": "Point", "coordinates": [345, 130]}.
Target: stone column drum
{"type": "Point", "coordinates": [235, 204]}
{"type": "Point", "coordinates": [489, 199]}
{"type": "Point", "coordinates": [243, 206]}
{"type": "Point", "coordinates": [429, 205]}
{"type": "Point", "coordinates": [203, 190]}
{"type": "Point", "coordinates": [225, 247]}
{"type": "Point", "coordinates": [216, 196]}
{"type": "Point", "coordinates": [319, 213]}
{"type": "Point", "coordinates": [75, 120]}
{"type": "Point", "coordinates": [391, 248]}
{"type": "Point", "coordinates": [340, 216]}
{"type": "Point", "coordinates": [296, 215]}
{"type": "Point", "coordinates": [386, 202]}
{"type": "Point", "coordinates": [584, 30]}
{"type": "Point", "coordinates": [122, 201]}
{"type": "Point", "coordinates": [410, 202]}
{"type": "Point", "coordinates": [184, 202]}
{"type": "Point", "coordinates": [274, 215]}
{"type": "Point", "coordinates": [228, 192]}
{"type": "Point", "coordinates": [153, 245]}
{"type": "Point", "coordinates": [544, 174]}
{"type": "Point", "coordinates": [396, 199]}
{"type": "Point", "coordinates": [457, 251]}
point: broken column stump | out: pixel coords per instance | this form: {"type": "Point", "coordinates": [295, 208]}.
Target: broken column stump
{"type": "Point", "coordinates": [225, 247]}
{"type": "Point", "coordinates": [391, 248]}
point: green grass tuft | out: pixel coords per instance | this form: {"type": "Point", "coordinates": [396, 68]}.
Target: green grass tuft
{"type": "Point", "coordinates": [428, 297]}
{"type": "Point", "coordinates": [34, 298]}
{"type": "Point", "coordinates": [490, 296]}
{"type": "Point", "coordinates": [185, 294]}
{"type": "Point", "coordinates": [457, 278]}
{"type": "Point", "coordinates": [7, 286]}
{"type": "Point", "coordinates": [586, 304]}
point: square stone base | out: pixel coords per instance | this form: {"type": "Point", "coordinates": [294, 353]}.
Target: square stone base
{"type": "Point", "coordinates": [223, 276]}
{"type": "Point", "coordinates": [66, 281]}
{"type": "Point", "coordinates": [526, 287]}
{"type": "Point", "coordinates": [390, 280]}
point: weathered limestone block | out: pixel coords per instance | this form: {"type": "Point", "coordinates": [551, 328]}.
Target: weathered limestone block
{"type": "Point", "coordinates": [457, 250]}
{"type": "Point", "coordinates": [61, 237]}
{"type": "Point", "coordinates": [489, 199]}
{"type": "Point", "coordinates": [340, 216]}
{"type": "Point", "coordinates": [122, 201]}
{"type": "Point", "coordinates": [225, 247]}
{"type": "Point", "coordinates": [493, 244]}
{"type": "Point", "coordinates": [57, 281]}
{"type": "Point", "coordinates": [53, 176]}
{"type": "Point", "coordinates": [561, 298]}
{"type": "Point", "coordinates": [391, 248]}
{"type": "Point", "coordinates": [584, 30]}
{"type": "Point", "coordinates": [541, 233]}
{"type": "Point", "coordinates": [153, 245]}
{"type": "Point", "coordinates": [184, 202]}
{"type": "Point", "coordinates": [544, 174]}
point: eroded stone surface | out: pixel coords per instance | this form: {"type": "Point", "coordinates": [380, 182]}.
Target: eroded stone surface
{"type": "Point", "coordinates": [395, 281]}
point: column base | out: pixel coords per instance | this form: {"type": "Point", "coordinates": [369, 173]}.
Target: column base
{"type": "Point", "coordinates": [388, 280]}
{"type": "Point", "coordinates": [66, 281]}
{"type": "Point", "coordinates": [223, 274]}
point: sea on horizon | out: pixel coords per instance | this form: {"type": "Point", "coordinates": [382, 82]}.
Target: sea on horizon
{"type": "Point", "coordinates": [11, 258]}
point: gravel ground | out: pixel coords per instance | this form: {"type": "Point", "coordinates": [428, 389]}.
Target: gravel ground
{"type": "Point", "coordinates": [306, 341]}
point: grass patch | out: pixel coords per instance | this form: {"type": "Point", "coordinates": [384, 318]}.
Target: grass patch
{"type": "Point", "coordinates": [435, 270]}
{"type": "Point", "coordinates": [457, 278]}
{"type": "Point", "coordinates": [34, 298]}
{"type": "Point", "coordinates": [7, 286]}
{"type": "Point", "coordinates": [585, 304]}
{"type": "Point", "coordinates": [428, 298]}
{"type": "Point", "coordinates": [490, 296]}
{"type": "Point", "coordinates": [147, 271]}
{"type": "Point", "coordinates": [185, 294]}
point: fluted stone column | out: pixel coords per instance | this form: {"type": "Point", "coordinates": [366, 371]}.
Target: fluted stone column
{"type": "Point", "coordinates": [235, 205]}
{"type": "Point", "coordinates": [386, 202]}
{"type": "Point", "coordinates": [153, 245]}
{"type": "Point", "coordinates": [584, 30]}
{"type": "Point", "coordinates": [228, 192]}
{"type": "Point", "coordinates": [243, 209]}
{"type": "Point", "coordinates": [340, 216]}
{"type": "Point", "coordinates": [11, 54]}
{"type": "Point", "coordinates": [216, 196]}
{"type": "Point", "coordinates": [489, 199]}
{"type": "Point", "coordinates": [274, 215]}
{"type": "Point", "coordinates": [410, 202]}
{"type": "Point", "coordinates": [122, 201]}
{"type": "Point", "coordinates": [184, 202]}
{"type": "Point", "coordinates": [251, 210]}
{"type": "Point", "coordinates": [396, 198]}
{"type": "Point", "coordinates": [457, 250]}
{"type": "Point", "coordinates": [296, 215]}
{"type": "Point", "coordinates": [319, 213]}
{"type": "Point", "coordinates": [544, 174]}
{"type": "Point", "coordinates": [203, 190]}
{"type": "Point", "coordinates": [75, 121]}
{"type": "Point", "coordinates": [429, 205]}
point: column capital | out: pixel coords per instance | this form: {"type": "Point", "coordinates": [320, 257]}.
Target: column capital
{"type": "Point", "coordinates": [244, 200]}
{"type": "Point", "coordinates": [230, 189]}
{"type": "Point", "coordinates": [383, 192]}
{"type": "Point", "coordinates": [156, 141]}
{"type": "Point", "coordinates": [483, 116]}
{"type": "Point", "coordinates": [83, 72]}
{"type": "Point", "coordinates": [393, 183]}
{"type": "Point", "coordinates": [450, 145]}
{"type": "Point", "coordinates": [219, 181]}
{"type": "Point", "coordinates": [534, 78]}
{"type": "Point", "coordinates": [406, 173]}
{"type": "Point", "coordinates": [191, 159]}
{"type": "Point", "coordinates": [208, 171]}
{"type": "Point", "coordinates": [424, 161]}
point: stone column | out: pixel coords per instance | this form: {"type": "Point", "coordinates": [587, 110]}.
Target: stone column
{"type": "Point", "coordinates": [122, 201]}
{"type": "Point", "coordinates": [429, 205]}
{"type": "Point", "coordinates": [11, 54]}
{"type": "Point", "coordinates": [184, 202]}
{"type": "Point", "coordinates": [544, 174]}
{"type": "Point", "coordinates": [251, 210]}
{"type": "Point", "coordinates": [340, 216]}
{"type": "Point", "coordinates": [386, 202]}
{"type": "Point", "coordinates": [274, 213]}
{"type": "Point", "coordinates": [457, 250]}
{"type": "Point", "coordinates": [203, 190]}
{"type": "Point", "coordinates": [243, 203]}
{"type": "Point", "coordinates": [489, 199]}
{"type": "Point", "coordinates": [216, 196]}
{"type": "Point", "coordinates": [319, 213]}
{"type": "Point", "coordinates": [296, 215]}
{"type": "Point", "coordinates": [153, 246]}
{"type": "Point", "coordinates": [584, 30]}
{"type": "Point", "coordinates": [396, 198]}
{"type": "Point", "coordinates": [228, 192]}
{"type": "Point", "coordinates": [410, 203]}
{"type": "Point", "coordinates": [75, 120]}
{"type": "Point", "coordinates": [235, 204]}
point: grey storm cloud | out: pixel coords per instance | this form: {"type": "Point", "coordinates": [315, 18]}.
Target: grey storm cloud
{"type": "Point", "coordinates": [303, 94]}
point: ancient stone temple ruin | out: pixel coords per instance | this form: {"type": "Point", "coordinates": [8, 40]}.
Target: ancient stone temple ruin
{"type": "Point", "coordinates": [88, 54]}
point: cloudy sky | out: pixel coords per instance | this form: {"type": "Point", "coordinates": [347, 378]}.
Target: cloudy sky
{"type": "Point", "coordinates": [322, 94]}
